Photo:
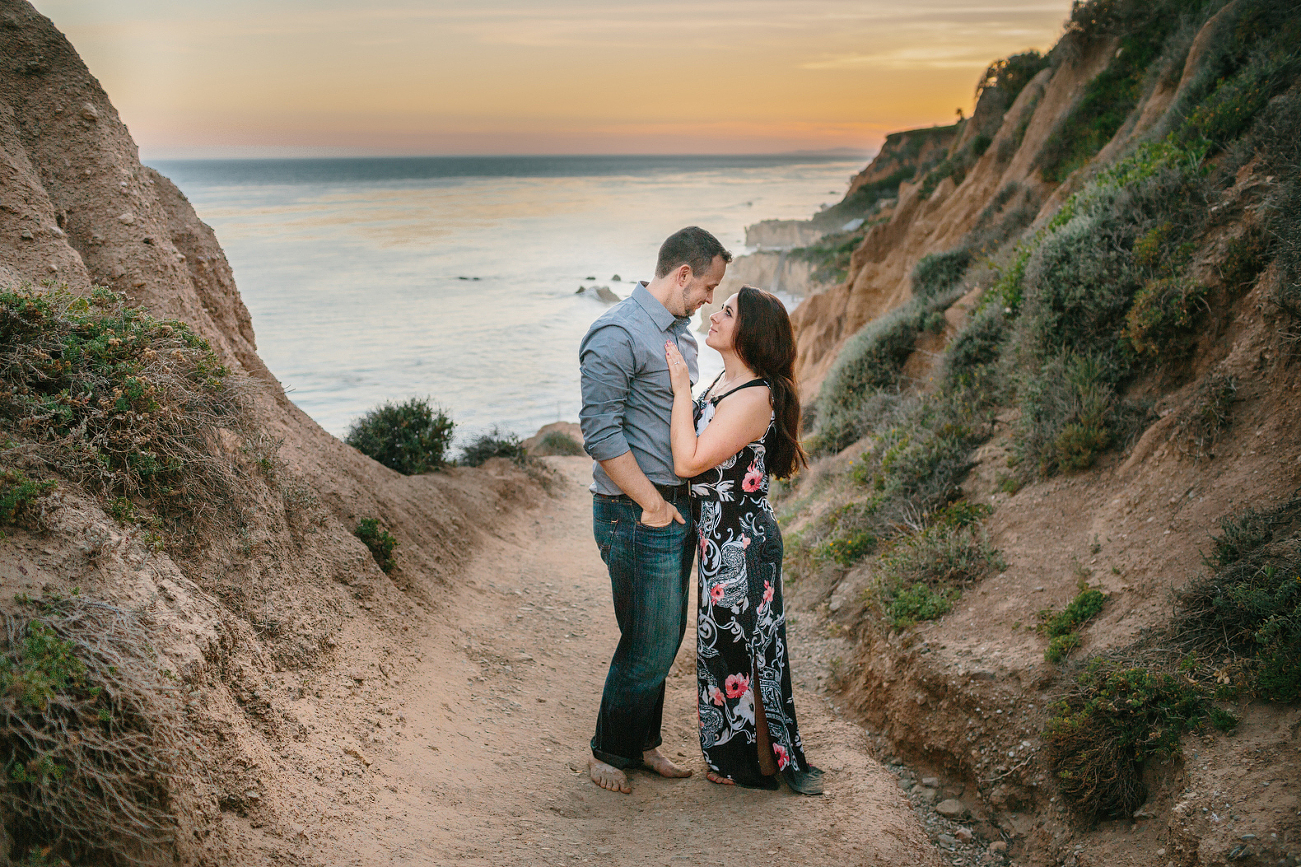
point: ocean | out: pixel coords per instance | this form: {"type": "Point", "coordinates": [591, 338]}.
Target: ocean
{"type": "Point", "coordinates": [455, 278]}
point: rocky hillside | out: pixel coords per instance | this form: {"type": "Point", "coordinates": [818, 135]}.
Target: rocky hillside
{"type": "Point", "coordinates": [1053, 524]}
{"type": "Point", "coordinates": [180, 521]}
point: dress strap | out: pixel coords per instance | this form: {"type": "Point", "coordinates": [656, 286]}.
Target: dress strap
{"type": "Point", "coordinates": [749, 384]}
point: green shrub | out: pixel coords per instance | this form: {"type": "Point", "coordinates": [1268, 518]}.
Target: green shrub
{"type": "Point", "coordinates": [848, 550]}
{"type": "Point", "coordinates": [1249, 604]}
{"type": "Point", "coordinates": [1112, 94]}
{"type": "Point", "coordinates": [1208, 414]}
{"type": "Point", "coordinates": [1012, 74]}
{"type": "Point", "coordinates": [18, 496]}
{"type": "Point", "coordinates": [88, 736]}
{"type": "Point", "coordinates": [923, 575]}
{"type": "Point", "coordinates": [1067, 412]}
{"type": "Point", "coordinates": [379, 541]}
{"type": "Point", "coordinates": [970, 358]}
{"type": "Point", "coordinates": [938, 272]}
{"type": "Point", "coordinates": [112, 398]}
{"type": "Point", "coordinates": [1109, 725]}
{"type": "Point", "coordinates": [830, 255]}
{"type": "Point", "coordinates": [411, 437]}
{"type": "Point", "coordinates": [493, 444]}
{"type": "Point", "coordinates": [1063, 627]}
{"type": "Point", "coordinates": [559, 443]}
{"type": "Point", "coordinates": [908, 606]}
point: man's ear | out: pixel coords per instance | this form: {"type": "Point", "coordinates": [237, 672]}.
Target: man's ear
{"type": "Point", "coordinates": [683, 275]}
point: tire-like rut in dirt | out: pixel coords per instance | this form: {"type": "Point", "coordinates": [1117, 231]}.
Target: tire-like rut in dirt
{"type": "Point", "coordinates": [485, 760]}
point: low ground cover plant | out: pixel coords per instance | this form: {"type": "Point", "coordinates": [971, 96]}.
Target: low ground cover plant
{"type": "Point", "coordinates": [19, 496]}
{"type": "Point", "coordinates": [1115, 718]}
{"type": "Point", "coordinates": [380, 542]}
{"type": "Point", "coordinates": [559, 443]}
{"type": "Point", "coordinates": [494, 444]}
{"type": "Point", "coordinates": [411, 437]}
{"type": "Point", "coordinates": [109, 397]}
{"type": "Point", "coordinates": [1246, 609]}
{"type": "Point", "coordinates": [1062, 628]}
{"type": "Point", "coordinates": [88, 735]}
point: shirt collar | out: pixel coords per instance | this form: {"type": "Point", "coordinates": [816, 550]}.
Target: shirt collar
{"type": "Point", "coordinates": [658, 313]}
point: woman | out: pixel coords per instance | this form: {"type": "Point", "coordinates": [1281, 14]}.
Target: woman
{"type": "Point", "coordinates": [743, 428]}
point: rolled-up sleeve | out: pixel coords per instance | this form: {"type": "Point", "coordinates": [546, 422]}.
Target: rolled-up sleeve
{"type": "Point", "coordinates": [606, 362]}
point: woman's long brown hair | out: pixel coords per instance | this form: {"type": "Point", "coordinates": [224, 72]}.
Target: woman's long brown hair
{"type": "Point", "coordinates": [765, 341]}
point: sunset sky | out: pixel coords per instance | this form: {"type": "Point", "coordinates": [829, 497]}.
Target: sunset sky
{"type": "Point", "coordinates": [198, 78]}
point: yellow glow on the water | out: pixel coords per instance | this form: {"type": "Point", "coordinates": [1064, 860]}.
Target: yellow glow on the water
{"type": "Point", "coordinates": [509, 76]}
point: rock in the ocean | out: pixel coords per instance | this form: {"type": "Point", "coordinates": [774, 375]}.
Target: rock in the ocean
{"type": "Point", "coordinates": [616, 279]}
{"type": "Point", "coordinates": [604, 293]}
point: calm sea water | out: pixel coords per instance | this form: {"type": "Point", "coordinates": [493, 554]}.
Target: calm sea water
{"type": "Point", "coordinates": [454, 277]}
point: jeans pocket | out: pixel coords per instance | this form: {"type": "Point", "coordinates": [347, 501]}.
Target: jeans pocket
{"type": "Point", "coordinates": [605, 533]}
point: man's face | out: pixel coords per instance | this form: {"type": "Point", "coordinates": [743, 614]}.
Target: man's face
{"type": "Point", "coordinates": [699, 288]}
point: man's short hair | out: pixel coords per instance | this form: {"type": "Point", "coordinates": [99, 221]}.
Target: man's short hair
{"type": "Point", "coordinates": [690, 246]}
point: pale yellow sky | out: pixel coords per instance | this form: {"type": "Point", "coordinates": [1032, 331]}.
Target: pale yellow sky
{"type": "Point", "coordinates": [293, 77]}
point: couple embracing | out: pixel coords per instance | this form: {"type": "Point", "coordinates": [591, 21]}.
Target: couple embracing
{"type": "Point", "coordinates": [674, 478]}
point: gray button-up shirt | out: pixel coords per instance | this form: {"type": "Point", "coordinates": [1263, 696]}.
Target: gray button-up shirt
{"type": "Point", "coordinates": [627, 396]}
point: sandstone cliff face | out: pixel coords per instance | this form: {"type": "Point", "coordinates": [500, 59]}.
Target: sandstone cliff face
{"type": "Point", "coordinates": [903, 152]}
{"type": "Point", "coordinates": [274, 596]}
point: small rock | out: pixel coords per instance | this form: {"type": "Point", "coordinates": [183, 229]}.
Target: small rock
{"type": "Point", "coordinates": [931, 782]}
{"type": "Point", "coordinates": [964, 835]}
{"type": "Point", "coordinates": [126, 218]}
{"type": "Point", "coordinates": [591, 278]}
{"type": "Point", "coordinates": [1247, 837]}
{"type": "Point", "coordinates": [998, 847]}
{"type": "Point", "coordinates": [581, 290]}
{"type": "Point", "coordinates": [26, 234]}
{"type": "Point", "coordinates": [1142, 814]}
{"type": "Point", "coordinates": [950, 809]}
{"type": "Point", "coordinates": [946, 841]}
{"type": "Point", "coordinates": [616, 279]}
{"type": "Point", "coordinates": [57, 232]}
{"type": "Point", "coordinates": [927, 795]}
{"type": "Point", "coordinates": [89, 112]}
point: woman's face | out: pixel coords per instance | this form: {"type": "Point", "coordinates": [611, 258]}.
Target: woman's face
{"type": "Point", "coordinates": [722, 326]}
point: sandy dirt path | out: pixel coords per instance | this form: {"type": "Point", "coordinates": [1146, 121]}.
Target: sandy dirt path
{"type": "Point", "coordinates": [475, 752]}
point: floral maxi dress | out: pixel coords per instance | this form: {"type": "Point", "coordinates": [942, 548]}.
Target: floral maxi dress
{"type": "Point", "coordinates": [740, 622]}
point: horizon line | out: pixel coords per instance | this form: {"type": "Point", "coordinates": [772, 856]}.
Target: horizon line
{"type": "Point", "coordinates": [856, 153]}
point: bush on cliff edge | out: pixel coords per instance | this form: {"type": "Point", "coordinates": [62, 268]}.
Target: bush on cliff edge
{"type": "Point", "coordinates": [411, 437]}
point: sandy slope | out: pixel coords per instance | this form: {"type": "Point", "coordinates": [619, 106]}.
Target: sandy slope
{"type": "Point", "coordinates": [477, 743]}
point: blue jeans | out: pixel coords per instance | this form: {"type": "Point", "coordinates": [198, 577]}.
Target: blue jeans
{"type": "Point", "coordinates": [650, 575]}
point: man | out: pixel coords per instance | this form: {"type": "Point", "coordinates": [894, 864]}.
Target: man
{"type": "Point", "coordinates": [641, 514]}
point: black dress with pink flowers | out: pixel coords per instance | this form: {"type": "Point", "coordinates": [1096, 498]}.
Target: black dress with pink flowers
{"type": "Point", "coordinates": [740, 622]}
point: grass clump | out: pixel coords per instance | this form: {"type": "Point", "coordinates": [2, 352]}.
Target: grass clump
{"type": "Point", "coordinates": [830, 255]}
{"type": "Point", "coordinates": [411, 437]}
{"type": "Point", "coordinates": [1208, 415]}
{"type": "Point", "coordinates": [494, 444]}
{"type": "Point", "coordinates": [1113, 721]}
{"type": "Point", "coordinates": [1248, 606]}
{"type": "Point", "coordinates": [18, 498]}
{"type": "Point", "coordinates": [938, 272]}
{"type": "Point", "coordinates": [109, 397]}
{"type": "Point", "coordinates": [1063, 627]}
{"type": "Point", "coordinates": [922, 575]}
{"type": "Point", "coordinates": [559, 443]}
{"type": "Point", "coordinates": [380, 542]}
{"type": "Point", "coordinates": [88, 736]}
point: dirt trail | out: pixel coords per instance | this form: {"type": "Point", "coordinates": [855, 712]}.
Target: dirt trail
{"type": "Point", "coordinates": [473, 747]}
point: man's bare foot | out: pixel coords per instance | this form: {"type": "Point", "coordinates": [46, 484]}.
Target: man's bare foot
{"type": "Point", "coordinates": [718, 778]}
{"type": "Point", "coordinates": [660, 764]}
{"type": "Point", "coordinates": [608, 776]}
